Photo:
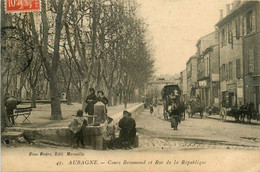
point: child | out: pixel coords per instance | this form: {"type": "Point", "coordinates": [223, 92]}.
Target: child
{"type": "Point", "coordinates": [132, 129]}
{"type": "Point", "coordinates": [76, 127]}
{"type": "Point", "coordinates": [124, 130]}
{"type": "Point", "coordinates": [110, 134]}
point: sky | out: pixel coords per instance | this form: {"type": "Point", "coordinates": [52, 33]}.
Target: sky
{"type": "Point", "coordinates": [174, 27]}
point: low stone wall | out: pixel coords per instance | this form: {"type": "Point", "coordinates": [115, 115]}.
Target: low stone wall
{"type": "Point", "coordinates": [134, 110]}
{"type": "Point", "coordinates": [62, 136]}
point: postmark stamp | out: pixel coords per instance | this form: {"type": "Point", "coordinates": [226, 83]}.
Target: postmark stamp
{"type": "Point", "coordinates": [16, 6]}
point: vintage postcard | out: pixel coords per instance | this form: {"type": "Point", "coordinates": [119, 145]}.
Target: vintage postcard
{"type": "Point", "coordinates": [130, 85]}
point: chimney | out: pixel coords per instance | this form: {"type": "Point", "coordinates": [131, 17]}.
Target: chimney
{"type": "Point", "coordinates": [236, 3]}
{"type": "Point", "coordinates": [221, 14]}
{"type": "Point", "coordinates": [228, 8]}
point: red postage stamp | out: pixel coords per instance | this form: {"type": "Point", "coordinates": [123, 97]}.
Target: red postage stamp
{"type": "Point", "coordinates": [14, 6]}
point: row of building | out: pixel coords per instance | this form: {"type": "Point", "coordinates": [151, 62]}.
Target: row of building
{"type": "Point", "coordinates": [225, 70]}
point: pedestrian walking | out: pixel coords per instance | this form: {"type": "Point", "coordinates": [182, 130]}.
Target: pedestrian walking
{"type": "Point", "coordinates": [174, 116]}
{"type": "Point", "coordinates": [151, 107]}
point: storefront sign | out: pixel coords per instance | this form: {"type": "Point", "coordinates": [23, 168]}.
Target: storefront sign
{"type": "Point", "coordinates": [203, 83]}
{"type": "Point", "coordinates": [215, 77]}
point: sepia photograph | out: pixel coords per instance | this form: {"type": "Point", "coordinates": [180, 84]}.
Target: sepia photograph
{"type": "Point", "coordinates": [130, 85]}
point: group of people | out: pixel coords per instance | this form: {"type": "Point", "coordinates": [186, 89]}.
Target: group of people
{"type": "Point", "coordinates": [92, 99]}
{"type": "Point", "coordinates": [77, 130]}
{"type": "Point", "coordinates": [127, 125]}
{"type": "Point", "coordinates": [126, 138]}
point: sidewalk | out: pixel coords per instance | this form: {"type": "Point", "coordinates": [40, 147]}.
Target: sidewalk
{"type": "Point", "coordinates": [40, 116]}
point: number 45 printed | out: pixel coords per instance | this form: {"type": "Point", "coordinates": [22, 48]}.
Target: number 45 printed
{"type": "Point", "coordinates": [14, 6]}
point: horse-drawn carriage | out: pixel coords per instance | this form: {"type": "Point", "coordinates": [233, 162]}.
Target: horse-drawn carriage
{"type": "Point", "coordinates": [173, 107]}
{"type": "Point", "coordinates": [238, 113]}
{"type": "Point", "coordinates": [170, 95]}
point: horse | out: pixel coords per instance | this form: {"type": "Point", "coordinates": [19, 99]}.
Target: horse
{"type": "Point", "coordinates": [247, 110]}
{"type": "Point", "coordinates": [195, 107]}
{"type": "Point", "coordinates": [182, 108]}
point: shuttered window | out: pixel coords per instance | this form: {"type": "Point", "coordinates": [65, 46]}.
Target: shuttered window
{"type": "Point", "coordinates": [230, 70]}
{"type": "Point", "coordinates": [227, 71]}
{"type": "Point", "coordinates": [238, 71]}
{"type": "Point", "coordinates": [244, 25]}
{"type": "Point", "coordinates": [251, 67]}
{"type": "Point", "coordinates": [238, 28]}
{"type": "Point", "coordinates": [249, 22]}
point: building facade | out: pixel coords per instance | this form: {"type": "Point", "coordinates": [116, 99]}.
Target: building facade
{"type": "Point", "coordinates": [183, 84]}
{"type": "Point", "coordinates": [191, 69]}
{"type": "Point", "coordinates": [251, 53]}
{"type": "Point", "coordinates": [239, 42]}
{"type": "Point", "coordinates": [208, 73]}
{"type": "Point", "coordinates": [231, 57]}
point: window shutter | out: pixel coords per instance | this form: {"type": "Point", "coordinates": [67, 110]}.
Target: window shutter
{"type": "Point", "coordinates": [253, 21]}
{"type": "Point", "coordinates": [238, 28]}
{"type": "Point", "coordinates": [230, 70]}
{"type": "Point", "coordinates": [241, 25]}
{"type": "Point", "coordinates": [251, 67]}
{"type": "Point", "coordinates": [227, 71]}
{"type": "Point", "coordinates": [238, 68]}
{"type": "Point", "coordinates": [244, 25]}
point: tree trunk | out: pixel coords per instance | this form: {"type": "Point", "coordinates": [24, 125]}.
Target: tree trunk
{"type": "Point", "coordinates": [33, 97]}
{"type": "Point", "coordinates": [109, 97]}
{"type": "Point", "coordinates": [55, 99]}
{"type": "Point", "coordinates": [120, 96]}
{"type": "Point", "coordinates": [84, 92]}
{"type": "Point", "coordinates": [4, 119]}
{"type": "Point", "coordinates": [68, 96]}
{"type": "Point", "coordinates": [80, 95]}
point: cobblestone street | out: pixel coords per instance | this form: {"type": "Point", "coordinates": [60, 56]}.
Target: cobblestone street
{"type": "Point", "coordinates": [156, 134]}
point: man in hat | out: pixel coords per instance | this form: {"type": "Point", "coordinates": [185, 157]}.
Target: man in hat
{"type": "Point", "coordinates": [91, 100]}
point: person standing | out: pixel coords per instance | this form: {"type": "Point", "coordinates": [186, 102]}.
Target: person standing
{"type": "Point", "coordinates": [132, 129]}
{"type": "Point", "coordinates": [124, 130]}
{"type": "Point", "coordinates": [101, 98]}
{"type": "Point", "coordinates": [91, 101]}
